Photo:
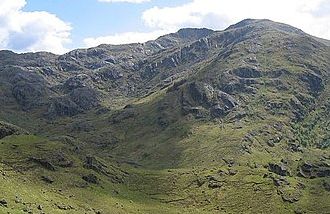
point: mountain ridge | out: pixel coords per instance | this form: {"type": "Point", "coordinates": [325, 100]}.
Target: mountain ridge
{"type": "Point", "coordinates": [233, 121]}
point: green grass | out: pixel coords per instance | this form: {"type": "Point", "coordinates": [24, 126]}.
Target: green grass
{"type": "Point", "coordinates": [169, 160]}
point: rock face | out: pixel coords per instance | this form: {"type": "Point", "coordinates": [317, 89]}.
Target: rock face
{"type": "Point", "coordinates": [92, 163]}
{"type": "Point", "coordinates": [79, 81]}
{"type": "Point", "coordinates": [28, 89]}
{"type": "Point", "coordinates": [314, 170]}
{"type": "Point", "coordinates": [96, 165]}
{"type": "Point", "coordinates": [314, 82]}
{"type": "Point", "coordinates": [246, 72]}
{"type": "Point", "coordinates": [199, 98]}
{"type": "Point", "coordinates": [7, 129]}
{"type": "Point", "coordinates": [85, 98]}
{"type": "Point", "coordinates": [186, 110]}
{"type": "Point", "coordinates": [62, 106]}
{"type": "Point", "coordinates": [280, 169]}
{"type": "Point", "coordinates": [44, 163]}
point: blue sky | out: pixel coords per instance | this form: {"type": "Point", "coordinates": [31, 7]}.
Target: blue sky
{"type": "Point", "coordinates": [90, 18]}
{"type": "Point", "coordinates": [62, 25]}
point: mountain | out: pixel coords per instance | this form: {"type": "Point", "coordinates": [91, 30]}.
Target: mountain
{"type": "Point", "coordinates": [197, 121]}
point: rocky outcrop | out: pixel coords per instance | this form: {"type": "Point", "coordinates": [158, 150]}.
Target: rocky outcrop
{"type": "Point", "coordinates": [91, 178]}
{"type": "Point", "coordinates": [78, 81]}
{"type": "Point", "coordinates": [77, 101]}
{"type": "Point", "coordinates": [43, 162]}
{"type": "Point", "coordinates": [247, 72]}
{"type": "Point", "coordinates": [314, 170]}
{"type": "Point", "coordinates": [93, 163]}
{"type": "Point", "coordinates": [85, 98]}
{"type": "Point", "coordinates": [314, 82]}
{"type": "Point", "coordinates": [47, 179]}
{"type": "Point", "coordinates": [62, 106]}
{"type": "Point", "coordinates": [280, 169]}
{"type": "Point", "coordinates": [3, 203]}
{"type": "Point", "coordinates": [7, 129]}
{"type": "Point", "coordinates": [110, 74]}
{"type": "Point", "coordinates": [123, 115]}
{"type": "Point", "coordinates": [28, 89]}
{"type": "Point", "coordinates": [202, 99]}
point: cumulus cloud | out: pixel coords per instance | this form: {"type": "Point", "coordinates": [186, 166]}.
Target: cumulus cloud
{"type": "Point", "coordinates": [312, 16]}
{"type": "Point", "coordinates": [124, 38]}
{"type": "Point", "coordinates": [31, 31]}
{"type": "Point", "coordinates": [308, 15]}
{"type": "Point", "coordinates": [128, 1]}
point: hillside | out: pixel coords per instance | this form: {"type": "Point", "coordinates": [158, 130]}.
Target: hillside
{"type": "Point", "coordinates": [202, 121]}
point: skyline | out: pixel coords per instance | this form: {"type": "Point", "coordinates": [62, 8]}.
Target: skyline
{"type": "Point", "coordinates": [59, 26]}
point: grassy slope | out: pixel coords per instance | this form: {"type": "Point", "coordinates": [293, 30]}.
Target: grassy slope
{"type": "Point", "coordinates": [175, 162]}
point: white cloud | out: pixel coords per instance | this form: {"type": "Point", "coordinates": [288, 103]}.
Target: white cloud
{"type": "Point", "coordinates": [217, 14]}
{"type": "Point", "coordinates": [128, 1]}
{"type": "Point", "coordinates": [309, 15]}
{"type": "Point", "coordinates": [31, 31]}
{"type": "Point", "coordinates": [124, 38]}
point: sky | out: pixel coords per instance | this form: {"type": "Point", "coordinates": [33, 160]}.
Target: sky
{"type": "Point", "coordinates": [59, 26]}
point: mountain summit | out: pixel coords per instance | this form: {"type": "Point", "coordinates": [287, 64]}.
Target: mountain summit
{"type": "Point", "coordinates": [202, 121]}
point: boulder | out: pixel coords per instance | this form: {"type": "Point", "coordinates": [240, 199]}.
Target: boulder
{"type": "Point", "coordinates": [215, 184]}
{"type": "Point", "coordinates": [280, 169]}
{"type": "Point", "coordinates": [232, 172]}
{"type": "Point", "coordinates": [47, 179]}
{"type": "Point", "coordinates": [290, 197]}
{"type": "Point", "coordinates": [281, 181]}
{"type": "Point", "coordinates": [3, 203]}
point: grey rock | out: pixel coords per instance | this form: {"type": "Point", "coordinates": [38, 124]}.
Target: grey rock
{"type": "Point", "coordinates": [85, 98]}
{"type": "Point", "coordinates": [43, 162]}
{"type": "Point", "coordinates": [280, 169]}
{"type": "Point", "coordinates": [215, 184]}
{"type": "Point", "coordinates": [79, 81]}
{"type": "Point", "coordinates": [47, 179]}
{"type": "Point", "coordinates": [91, 178]}
{"type": "Point", "coordinates": [314, 170]}
{"type": "Point", "coordinates": [314, 81]}
{"type": "Point", "coordinates": [326, 185]}
{"type": "Point", "coordinates": [281, 181]}
{"type": "Point", "coordinates": [204, 96]}
{"type": "Point", "coordinates": [3, 203]}
{"type": "Point", "coordinates": [62, 106]}
{"type": "Point", "coordinates": [7, 129]}
{"type": "Point", "coordinates": [247, 72]}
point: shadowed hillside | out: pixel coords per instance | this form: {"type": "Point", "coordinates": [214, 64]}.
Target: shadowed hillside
{"type": "Point", "coordinates": [202, 121]}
